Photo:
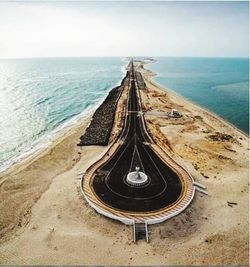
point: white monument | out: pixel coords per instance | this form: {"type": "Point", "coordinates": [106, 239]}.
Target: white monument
{"type": "Point", "coordinates": [137, 178]}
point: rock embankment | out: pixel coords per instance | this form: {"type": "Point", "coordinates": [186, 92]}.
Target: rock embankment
{"type": "Point", "coordinates": [99, 130]}
{"type": "Point", "coordinates": [140, 80]}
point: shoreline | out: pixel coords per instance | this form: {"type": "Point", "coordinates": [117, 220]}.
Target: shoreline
{"type": "Point", "coordinates": [50, 139]}
{"type": "Point", "coordinates": [41, 148]}
{"type": "Point", "coordinates": [166, 89]}
{"type": "Point", "coordinates": [48, 215]}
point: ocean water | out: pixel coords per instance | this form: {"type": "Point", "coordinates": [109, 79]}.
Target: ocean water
{"type": "Point", "coordinates": [40, 96]}
{"type": "Point", "coordinates": [219, 84]}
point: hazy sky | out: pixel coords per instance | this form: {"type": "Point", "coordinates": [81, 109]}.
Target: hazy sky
{"type": "Point", "coordinates": [68, 28]}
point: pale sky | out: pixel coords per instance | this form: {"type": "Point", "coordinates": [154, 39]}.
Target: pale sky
{"type": "Point", "coordinates": [80, 28]}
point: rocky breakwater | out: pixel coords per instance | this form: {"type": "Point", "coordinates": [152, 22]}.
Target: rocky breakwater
{"type": "Point", "coordinates": [99, 130]}
{"type": "Point", "coordinates": [140, 81]}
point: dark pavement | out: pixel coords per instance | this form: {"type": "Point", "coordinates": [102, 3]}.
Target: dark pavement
{"type": "Point", "coordinates": [164, 186]}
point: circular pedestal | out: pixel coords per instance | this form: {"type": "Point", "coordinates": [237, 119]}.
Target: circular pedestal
{"type": "Point", "coordinates": [137, 178]}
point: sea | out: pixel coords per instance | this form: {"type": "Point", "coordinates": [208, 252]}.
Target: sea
{"type": "Point", "coordinates": [221, 85]}
{"type": "Point", "coordinates": [41, 96]}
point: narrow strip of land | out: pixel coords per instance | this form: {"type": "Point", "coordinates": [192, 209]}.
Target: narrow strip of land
{"type": "Point", "coordinates": [42, 208]}
{"type": "Point", "coordinates": [107, 182]}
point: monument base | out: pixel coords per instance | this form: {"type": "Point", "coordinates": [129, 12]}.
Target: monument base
{"type": "Point", "coordinates": [137, 178]}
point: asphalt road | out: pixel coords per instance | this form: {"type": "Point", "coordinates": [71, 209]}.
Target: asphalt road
{"type": "Point", "coordinates": [164, 186]}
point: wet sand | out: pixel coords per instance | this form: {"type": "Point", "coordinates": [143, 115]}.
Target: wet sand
{"type": "Point", "coordinates": [44, 219]}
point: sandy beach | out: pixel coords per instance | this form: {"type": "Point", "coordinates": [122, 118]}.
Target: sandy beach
{"type": "Point", "coordinates": [44, 218]}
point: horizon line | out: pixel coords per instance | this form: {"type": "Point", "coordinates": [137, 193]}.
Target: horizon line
{"type": "Point", "coordinates": [122, 56]}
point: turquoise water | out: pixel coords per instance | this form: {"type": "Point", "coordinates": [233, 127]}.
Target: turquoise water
{"type": "Point", "coordinates": [219, 84]}
{"type": "Point", "coordinates": [40, 96]}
